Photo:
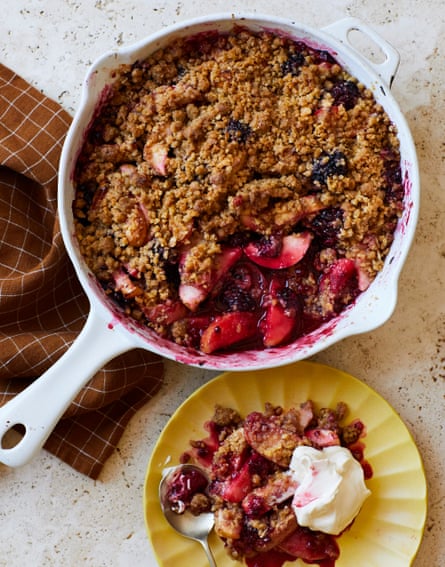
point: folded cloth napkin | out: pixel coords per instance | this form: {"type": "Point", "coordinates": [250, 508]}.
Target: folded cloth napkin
{"type": "Point", "coordinates": [42, 305]}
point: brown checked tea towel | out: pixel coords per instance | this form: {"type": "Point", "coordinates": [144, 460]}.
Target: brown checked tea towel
{"type": "Point", "coordinates": [42, 305]}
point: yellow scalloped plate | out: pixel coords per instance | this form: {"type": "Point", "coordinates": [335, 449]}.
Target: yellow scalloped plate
{"type": "Point", "coordinates": [390, 525]}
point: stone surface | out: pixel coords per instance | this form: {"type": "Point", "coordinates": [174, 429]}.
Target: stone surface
{"type": "Point", "coordinates": [51, 515]}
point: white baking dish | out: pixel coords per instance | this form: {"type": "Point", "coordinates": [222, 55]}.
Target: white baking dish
{"type": "Point", "coordinates": [108, 332]}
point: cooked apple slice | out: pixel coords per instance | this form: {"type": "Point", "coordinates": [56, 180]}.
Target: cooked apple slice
{"type": "Point", "coordinates": [293, 248]}
{"type": "Point", "coordinates": [156, 155]}
{"type": "Point", "coordinates": [227, 330]}
{"type": "Point", "coordinates": [166, 313]}
{"type": "Point", "coordinates": [338, 285]}
{"type": "Point", "coordinates": [277, 326]}
{"type": "Point", "coordinates": [193, 294]}
{"type": "Point", "coordinates": [322, 437]}
{"type": "Point", "coordinates": [125, 284]}
{"type": "Point", "coordinates": [236, 487]}
{"type": "Point", "coordinates": [282, 315]}
{"type": "Point", "coordinates": [278, 488]}
{"type": "Point", "coordinates": [311, 547]}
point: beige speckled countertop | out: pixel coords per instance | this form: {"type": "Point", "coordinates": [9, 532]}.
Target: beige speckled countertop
{"type": "Point", "coordinates": [53, 516]}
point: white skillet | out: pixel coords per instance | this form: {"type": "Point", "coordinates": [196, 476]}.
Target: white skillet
{"type": "Point", "coordinates": [107, 333]}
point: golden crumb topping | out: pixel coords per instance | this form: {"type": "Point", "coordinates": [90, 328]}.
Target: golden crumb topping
{"type": "Point", "coordinates": [219, 139]}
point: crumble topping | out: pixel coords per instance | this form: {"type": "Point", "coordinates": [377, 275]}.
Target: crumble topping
{"type": "Point", "coordinates": [218, 141]}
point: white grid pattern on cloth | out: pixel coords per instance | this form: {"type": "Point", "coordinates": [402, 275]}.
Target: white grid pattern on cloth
{"type": "Point", "coordinates": [103, 442]}
{"type": "Point", "coordinates": [15, 212]}
{"type": "Point", "coordinates": [60, 441]}
{"type": "Point", "coordinates": [102, 385]}
{"type": "Point", "coordinates": [35, 342]}
{"type": "Point", "coordinates": [42, 306]}
{"type": "Point", "coordinates": [14, 103]}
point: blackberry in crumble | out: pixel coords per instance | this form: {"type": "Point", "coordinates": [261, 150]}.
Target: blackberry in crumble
{"type": "Point", "coordinates": [293, 64]}
{"type": "Point", "coordinates": [346, 93]}
{"type": "Point", "coordinates": [238, 131]}
{"type": "Point", "coordinates": [328, 165]}
{"type": "Point", "coordinates": [233, 298]}
{"type": "Point", "coordinates": [327, 225]}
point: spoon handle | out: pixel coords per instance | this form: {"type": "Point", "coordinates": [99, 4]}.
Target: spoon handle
{"type": "Point", "coordinates": [205, 545]}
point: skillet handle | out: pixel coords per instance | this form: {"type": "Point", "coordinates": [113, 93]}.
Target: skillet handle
{"type": "Point", "coordinates": [38, 408]}
{"type": "Point", "coordinates": [388, 68]}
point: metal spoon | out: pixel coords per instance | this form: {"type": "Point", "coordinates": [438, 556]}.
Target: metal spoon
{"type": "Point", "coordinates": [197, 528]}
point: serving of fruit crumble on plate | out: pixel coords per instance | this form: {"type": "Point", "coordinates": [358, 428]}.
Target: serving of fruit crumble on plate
{"type": "Point", "coordinates": [236, 190]}
{"type": "Point", "coordinates": [277, 489]}
{"type": "Point", "coordinates": [253, 505]}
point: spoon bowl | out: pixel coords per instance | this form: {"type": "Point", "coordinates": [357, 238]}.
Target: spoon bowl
{"type": "Point", "coordinates": [184, 522]}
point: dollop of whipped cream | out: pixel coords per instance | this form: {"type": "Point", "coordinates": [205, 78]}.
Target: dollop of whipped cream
{"type": "Point", "coordinates": [330, 488]}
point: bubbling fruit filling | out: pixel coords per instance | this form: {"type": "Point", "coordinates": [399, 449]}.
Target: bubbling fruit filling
{"type": "Point", "coordinates": [250, 485]}
{"type": "Point", "coordinates": [236, 190]}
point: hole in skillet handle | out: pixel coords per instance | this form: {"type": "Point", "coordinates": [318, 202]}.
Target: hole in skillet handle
{"type": "Point", "coordinates": [12, 436]}
{"type": "Point", "coordinates": [367, 46]}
